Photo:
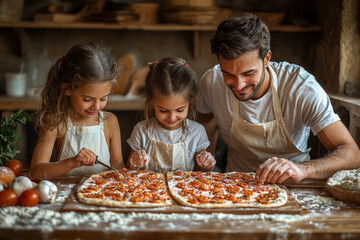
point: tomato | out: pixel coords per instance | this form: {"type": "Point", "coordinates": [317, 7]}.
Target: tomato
{"type": "Point", "coordinates": [8, 198]}
{"type": "Point", "coordinates": [29, 198]}
{"type": "Point", "coordinates": [15, 165]}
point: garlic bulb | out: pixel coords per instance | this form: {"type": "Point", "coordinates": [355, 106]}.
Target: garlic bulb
{"type": "Point", "coordinates": [21, 184]}
{"type": "Point", "coordinates": [47, 191]}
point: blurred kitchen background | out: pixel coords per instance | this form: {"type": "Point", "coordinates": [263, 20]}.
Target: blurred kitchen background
{"type": "Point", "coordinates": [322, 36]}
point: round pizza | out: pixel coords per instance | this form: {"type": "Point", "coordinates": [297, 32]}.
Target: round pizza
{"type": "Point", "coordinates": [223, 190]}
{"type": "Point", "coordinates": [136, 188]}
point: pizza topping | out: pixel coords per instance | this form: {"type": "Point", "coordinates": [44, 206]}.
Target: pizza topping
{"type": "Point", "coordinates": [196, 189]}
{"type": "Point", "coordinates": [133, 188]}
{"type": "Point", "coordinates": [210, 189]}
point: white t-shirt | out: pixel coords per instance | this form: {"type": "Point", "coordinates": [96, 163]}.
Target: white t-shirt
{"type": "Point", "coordinates": [196, 137]}
{"type": "Point", "coordinates": [304, 104]}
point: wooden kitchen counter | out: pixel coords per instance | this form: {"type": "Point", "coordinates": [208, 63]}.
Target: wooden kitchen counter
{"type": "Point", "coordinates": [322, 217]}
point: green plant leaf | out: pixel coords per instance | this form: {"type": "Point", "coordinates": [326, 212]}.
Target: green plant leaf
{"type": "Point", "coordinates": [9, 127]}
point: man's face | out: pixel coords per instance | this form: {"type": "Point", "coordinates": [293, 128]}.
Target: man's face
{"type": "Point", "coordinates": [246, 75]}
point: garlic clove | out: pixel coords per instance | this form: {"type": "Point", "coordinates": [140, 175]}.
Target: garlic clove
{"type": "Point", "coordinates": [47, 191]}
{"type": "Point", "coordinates": [21, 184]}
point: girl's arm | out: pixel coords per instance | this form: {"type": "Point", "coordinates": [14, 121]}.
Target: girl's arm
{"type": "Point", "coordinates": [116, 159]}
{"type": "Point", "coordinates": [41, 167]}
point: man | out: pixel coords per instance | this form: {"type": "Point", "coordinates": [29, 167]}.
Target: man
{"type": "Point", "coordinates": [265, 110]}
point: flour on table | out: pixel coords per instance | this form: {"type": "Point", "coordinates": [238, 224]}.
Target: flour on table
{"type": "Point", "coordinates": [346, 179]}
{"type": "Point", "coordinates": [62, 196]}
{"type": "Point", "coordinates": [47, 221]}
{"type": "Point", "coordinates": [318, 203]}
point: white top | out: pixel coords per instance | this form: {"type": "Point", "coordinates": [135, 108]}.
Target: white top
{"type": "Point", "coordinates": [305, 105]}
{"type": "Point", "coordinates": [196, 137]}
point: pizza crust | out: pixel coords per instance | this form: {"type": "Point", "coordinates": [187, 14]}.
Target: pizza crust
{"type": "Point", "coordinates": [125, 193]}
{"type": "Point", "coordinates": [175, 191]}
{"type": "Point", "coordinates": [145, 189]}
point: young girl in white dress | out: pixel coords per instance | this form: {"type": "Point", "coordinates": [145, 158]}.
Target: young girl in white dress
{"type": "Point", "coordinates": [71, 119]}
{"type": "Point", "coordinates": [168, 140]}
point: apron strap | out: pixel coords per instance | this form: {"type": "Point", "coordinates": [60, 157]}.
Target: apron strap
{"type": "Point", "coordinates": [151, 134]}
{"type": "Point", "coordinates": [275, 96]}
{"type": "Point", "coordinates": [184, 131]}
{"type": "Point", "coordinates": [68, 122]}
{"type": "Point", "coordinates": [101, 119]}
{"type": "Point", "coordinates": [235, 107]}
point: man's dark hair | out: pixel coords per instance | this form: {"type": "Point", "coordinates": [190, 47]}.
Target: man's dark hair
{"type": "Point", "coordinates": [239, 34]}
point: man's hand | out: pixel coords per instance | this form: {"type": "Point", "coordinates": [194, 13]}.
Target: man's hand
{"type": "Point", "coordinates": [205, 160]}
{"type": "Point", "coordinates": [139, 159]}
{"type": "Point", "coordinates": [277, 170]}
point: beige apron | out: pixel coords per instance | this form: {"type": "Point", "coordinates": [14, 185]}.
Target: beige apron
{"type": "Point", "coordinates": [91, 137]}
{"type": "Point", "coordinates": [166, 157]}
{"type": "Point", "coordinates": [253, 144]}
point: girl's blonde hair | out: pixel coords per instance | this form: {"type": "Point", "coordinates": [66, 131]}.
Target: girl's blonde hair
{"type": "Point", "coordinates": [172, 76]}
{"type": "Point", "coordinates": [84, 63]}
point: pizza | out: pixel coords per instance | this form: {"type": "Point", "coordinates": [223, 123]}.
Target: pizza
{"type": "Point", "coordinates": [223, 190]}
{"type": "Point", "coordinates": [136, 188]}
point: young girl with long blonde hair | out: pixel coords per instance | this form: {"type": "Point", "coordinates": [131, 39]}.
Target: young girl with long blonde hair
{"type": "Point", "coordinates": [71, 119]}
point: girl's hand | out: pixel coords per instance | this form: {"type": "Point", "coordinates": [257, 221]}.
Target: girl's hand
{"type": "Point", "coordinates": [139, 159]}
{"type": "Point", "coordinates": [205, 160]}
{"type": "Point", "coordinates": [85, 157]}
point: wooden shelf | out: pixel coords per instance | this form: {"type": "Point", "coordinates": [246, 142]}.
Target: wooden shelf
{"type": "Point", "coordinates": [142, 27]}
{"type": "Point", "coordinates": [115, 103]}
{"type": "Point", "coordinates": [145, 27]}
{"type": "Point", "coordinates": [352, 105]}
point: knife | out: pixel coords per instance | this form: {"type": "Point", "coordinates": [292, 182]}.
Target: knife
{"type": "Point", "coordinates": [97, 161]}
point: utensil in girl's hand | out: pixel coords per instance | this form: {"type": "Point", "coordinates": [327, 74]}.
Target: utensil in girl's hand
{"type": "Point", "coordinates": [119, 176]}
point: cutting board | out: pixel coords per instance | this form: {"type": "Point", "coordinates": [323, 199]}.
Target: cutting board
{"type": "Point", "coordinates": [291, 207]}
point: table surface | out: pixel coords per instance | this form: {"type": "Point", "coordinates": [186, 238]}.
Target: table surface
{"type": "Point", "coordinates": [322, 217]}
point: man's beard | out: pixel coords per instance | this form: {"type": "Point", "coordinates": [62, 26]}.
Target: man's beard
{"type": "Point", "coordinates": [256, 88]}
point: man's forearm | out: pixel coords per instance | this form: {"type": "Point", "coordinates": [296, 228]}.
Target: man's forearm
{"type": "Point", "coordinates": [343, 157]}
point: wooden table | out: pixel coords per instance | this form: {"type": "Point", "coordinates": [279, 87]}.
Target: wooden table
{"type": "Point", "coordinates": [322, 217]}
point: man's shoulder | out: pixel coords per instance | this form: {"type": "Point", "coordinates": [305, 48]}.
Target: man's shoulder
{"type": "Point", "coordinates": [283, 69]}
{"type": "Point", "coordinates": [292, 77]}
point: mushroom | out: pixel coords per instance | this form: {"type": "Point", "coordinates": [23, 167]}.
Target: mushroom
{"type": "Point", "coordinates": [21, 184]}
{"type": "Point", "coordinates": [47, 191]}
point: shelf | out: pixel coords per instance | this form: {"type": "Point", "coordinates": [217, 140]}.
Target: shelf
{"type": "Point", "coordinates": [115, 103]}
{"type": "Point", "coordinates": [142, 27]}
{"type": "Point", "coordinates": [352, 105]}
{"type": "Point", "coordinates": [145, 27]}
